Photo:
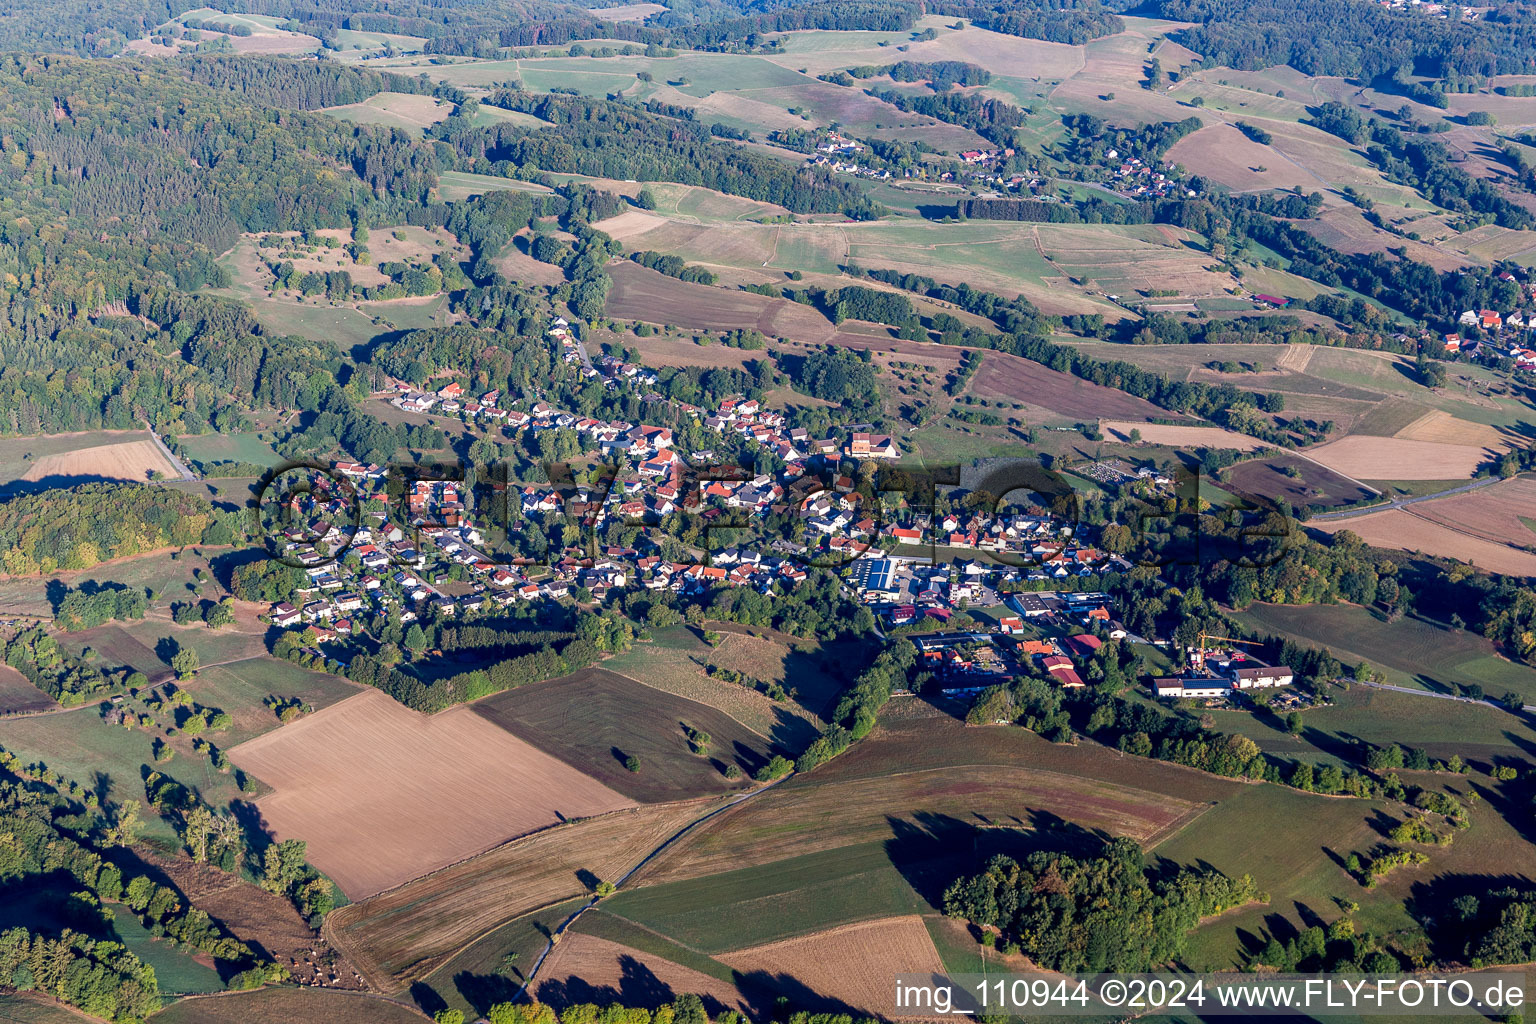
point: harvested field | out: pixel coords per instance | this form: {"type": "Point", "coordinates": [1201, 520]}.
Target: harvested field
{"type": "Point", "coordinates": [516, 265]}
{"type": "Point", "coordinates": [946, 802]}
{"type": "Point", "coordinates": [852, 965]}
{"type": "Point", "coordinates": [1113, 67]}
{"type": "Point", "coordinates": [674, 661]}
{"type": "Point", "coordinates": [18, 454]}
{"type": "Point", "coordinates": [1407, 530]}
{"type": "Point", "coordinates": [130, 460]}
{"type": "Point", "coordinates": [1441, 427]}
{"type": "Point", "coordinates": [286, 1005]}
{"type": "Point", "coordinates": [815, 673]}
{"type": "Point", "coordinates": [1184, 437]}
{"type": "Point", "coordinates": [410, 111]}
{"type": "Point", "coordinates": [931, 770]}
{"type": "Point", "coordinates": [587, 969]}
{"type": "Point", "coordinates": [659, 350]}
{"type": "Point", "coordinates": [1392, 458]}
{"type": "Point", "coordinates": [1504, 512]}
{"type": "Point", "coordinates": [1012, 378]}
{"type": "Point", "coordinates": [822, 51]}
{"type": "Point", "coordinates": [383, 794]}
{"type": "Point", "coordinates": [1296, 357]}
{"type": "Point", "coordinates": [594, 719]}
{"type": "Point", "coordinates": [640, 293]}
{"type": "Point", "coordinates": [1223, 153]}
{"type": "Point", "coordinates": [1311, 485]}
{"type": "Point", "coordinates": [400, 936]}
{"type": "Point", "coordinates": [1345, 229]}
{"type": "Point", "coordinates": [1130, 262]}
{"type": "Point", "coordinates": [627, 12]}
{"type": "Point", "coordinates": [18, 695]}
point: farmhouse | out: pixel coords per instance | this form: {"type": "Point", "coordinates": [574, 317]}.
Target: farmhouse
{"type": "Point", "coordinates": [1261, 677]}
{"type": "Point", "coordinates": [872, 446]}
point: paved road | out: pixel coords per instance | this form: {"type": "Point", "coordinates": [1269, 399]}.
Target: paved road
{"type": "Point", "coordinates": [1351, 513]}
{"type": "Point", "coordinates": [186, 474]}
{"type": "Point", "coordinates": [1443, 696]}
{"type": "Point", "coordinates": [565, 925]}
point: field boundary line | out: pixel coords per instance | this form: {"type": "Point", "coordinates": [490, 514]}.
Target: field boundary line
{"type": "Point", "coordinates": [700, 703]}
{"type": "Point", "coordinates": [652, 931]}
{"type": "Point", "coordinates": [1402, 503]}
{"type": "Point", "coordinates": [1421, 517]}
{"type": "Point", "coordinates": [1178, 825]}
{"type": "Point", "coordinates": [1358, 483]}
{"type": "Point", "coordinates": [564, 926]}
{"type": "Point", "coordinates": [349, 992]}
{"type": "Point", "coordinates": [328, 931]}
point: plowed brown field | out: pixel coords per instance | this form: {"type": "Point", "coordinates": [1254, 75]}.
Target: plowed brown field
{"type": "Point", "coordinates": [383, 794]}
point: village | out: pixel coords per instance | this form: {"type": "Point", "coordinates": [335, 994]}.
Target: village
{"type": "Point", "coordinates": [429, 553]}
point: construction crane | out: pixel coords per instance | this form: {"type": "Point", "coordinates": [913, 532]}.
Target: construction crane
{"type": "Point", "coordinates": [1198, 661]}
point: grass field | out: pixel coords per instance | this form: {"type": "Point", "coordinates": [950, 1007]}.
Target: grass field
{"type": "Point", "coordinates": [477, 977]}
{"type": "Point", "coordinates": [773, 901]}
{"type": "Point", "coordinates": [411, 112]}
{"type": "Point", "coordinates": [400, 936]}
{"type": "Point", "coordinates": [32, 1008]}
{"type": "Point", "coordinates": [228, 448]}
{"type": "Point", "coordinates": [109, 759]}
{"type": "Point", "coordinates": [674, 662]}
{"type": "Point", "coordinates": [342, 326]}
{"type": "Point", "coordinates": [594, 720]}
{"type": "Point", "coordinates": [34, 902]}
{"type": "Point", "coordinates": [17, 694]}
{"type": "Point", "coordinates": [169, 577]}
{"type": "Point", "coordinates": [1410, 652]}
{"type": "Point", "coordinates": [459, 185]}
{"type": "Point", "coordinates": [1362, 392]}
{"type": "Point", "coordinates": [880, 831]}
{"type": "Point", "coordinates": [1481, 735]}
{"type": "Point", "coordinates": [1062, 268]}
{"type": "Point", "coordinates": [284, 1005]}
{"type": "Point", "coordinates": [1238, 837]}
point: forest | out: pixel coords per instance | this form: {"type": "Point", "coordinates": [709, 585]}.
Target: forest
{"type": "Point", "coordinates": [1109, 912]}
{"type": "Point", "coordinates": [77, 527]}
{"type": "Point", "coordinates": [605, 139]}
{"type": "Point", "coordinates": [1352, 39]}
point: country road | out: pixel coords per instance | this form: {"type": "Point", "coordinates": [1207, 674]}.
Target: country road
{"type": "Point", "coordinates": [1351, 513]}
{"type": "Point", "coordinates": [561, 929]}
{"type": "Point", "coordinates": [1443, 696]}
{"type": "Point", "coordinates": [186, 474]}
